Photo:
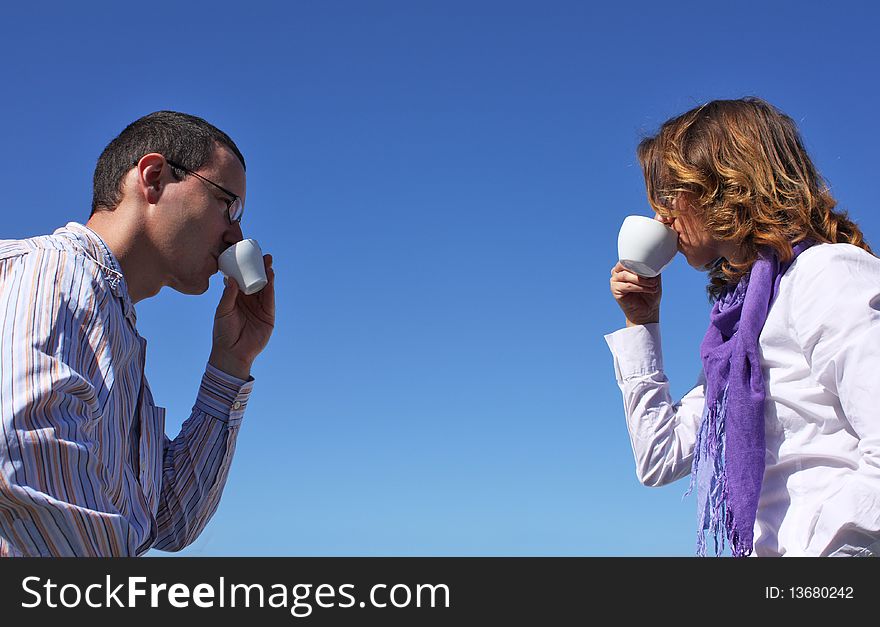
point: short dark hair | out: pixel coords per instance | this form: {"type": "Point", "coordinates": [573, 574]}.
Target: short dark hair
{"type": "Point", "coordinates": [185, 139]}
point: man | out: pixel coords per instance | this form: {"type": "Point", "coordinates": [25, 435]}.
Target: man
{"type": "Point", "coordinates": [85, 466]}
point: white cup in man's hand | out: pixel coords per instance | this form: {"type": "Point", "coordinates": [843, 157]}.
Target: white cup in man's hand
{"type": "Point", "coordinates": [646, 246]}
{"type": "Point", "coordinates": [244, 263]}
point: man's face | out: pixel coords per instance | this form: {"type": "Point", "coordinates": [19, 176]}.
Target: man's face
{"type": "Point", "coordinates": [193, 228]}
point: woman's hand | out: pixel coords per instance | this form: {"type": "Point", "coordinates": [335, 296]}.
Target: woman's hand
{"type": "Point", "coordinates": [638, 297]}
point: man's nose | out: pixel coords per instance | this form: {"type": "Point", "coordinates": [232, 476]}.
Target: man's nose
{"type": "Point", "coordinates": [233, 234]}
{"type": "Point", "coordinates": [664, 220]}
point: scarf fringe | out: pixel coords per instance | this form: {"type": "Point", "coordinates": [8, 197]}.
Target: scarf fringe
{"type": "Point", "coordinates": [714, 515]}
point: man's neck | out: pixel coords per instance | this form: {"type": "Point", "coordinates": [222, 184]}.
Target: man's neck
{"type": "Point", "coordinates": [125, 238]}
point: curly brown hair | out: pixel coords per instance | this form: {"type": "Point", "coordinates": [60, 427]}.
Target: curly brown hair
{"type": "Point", "coordinates": [744, 165]}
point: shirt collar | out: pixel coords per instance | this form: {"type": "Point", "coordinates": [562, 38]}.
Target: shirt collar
{"type": "Point", "coordinates": [100, 253]}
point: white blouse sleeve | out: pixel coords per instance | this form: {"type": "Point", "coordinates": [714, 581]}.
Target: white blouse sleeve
{"type": "Point", "coordinates": [662, 433]}
{"type": "Point", "coordinates": [836, 321]}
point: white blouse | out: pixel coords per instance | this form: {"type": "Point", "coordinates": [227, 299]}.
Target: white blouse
{"type": "Point", "coordinates": [820, 354]}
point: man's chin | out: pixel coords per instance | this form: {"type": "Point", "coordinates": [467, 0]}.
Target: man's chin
{"type": "Point", "coordinates": [192, 288]}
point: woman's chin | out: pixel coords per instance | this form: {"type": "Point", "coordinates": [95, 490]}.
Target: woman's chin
{"type": "Point", "coordinates": [700, 262]}
{"type": "Point", "coordinates": [692, 261]}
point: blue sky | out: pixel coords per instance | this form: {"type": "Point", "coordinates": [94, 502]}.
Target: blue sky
{"type": "Point", "coordinates": [440, 184]}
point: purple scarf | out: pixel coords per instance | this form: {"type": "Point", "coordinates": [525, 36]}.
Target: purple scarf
{"type": "Point", "coordinates": [728, 465]}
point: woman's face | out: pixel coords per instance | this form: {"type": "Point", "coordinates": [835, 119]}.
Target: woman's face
{"type": "Point", "coordinates": [694, 242]}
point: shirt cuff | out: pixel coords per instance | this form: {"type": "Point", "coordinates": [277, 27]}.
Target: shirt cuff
{"type": "Point", "coordinates": [223, 396]}
{"type": "Point", "coordinates": [636, 350]}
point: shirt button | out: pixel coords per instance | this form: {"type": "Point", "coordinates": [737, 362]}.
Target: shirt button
{"type": "Point", "coordinates": [236, 405]}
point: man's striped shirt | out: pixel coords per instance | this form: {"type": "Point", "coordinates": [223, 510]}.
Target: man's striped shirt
{"type": "Point", "coordinates": [85, 466]}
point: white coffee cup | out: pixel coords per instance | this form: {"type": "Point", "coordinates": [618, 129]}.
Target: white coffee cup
{"type": "Point", "coordinates": [244, 263]}
{"type": "Point", "coordinates": [646, 246]}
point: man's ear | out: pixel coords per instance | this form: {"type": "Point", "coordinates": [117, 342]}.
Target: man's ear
{"type": "Point", "coordinates": [152, 175]}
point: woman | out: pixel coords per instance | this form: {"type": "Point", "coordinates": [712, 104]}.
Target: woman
{"type": "Point", "coordinates": [781, 435]}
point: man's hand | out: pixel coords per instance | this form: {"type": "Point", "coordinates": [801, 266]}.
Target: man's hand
{"type": "Point", "coordinates": [243, 325]}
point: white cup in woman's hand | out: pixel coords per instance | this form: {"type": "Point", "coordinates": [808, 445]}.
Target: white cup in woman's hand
{"type": "Point", "coordinates": [646, 246]}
